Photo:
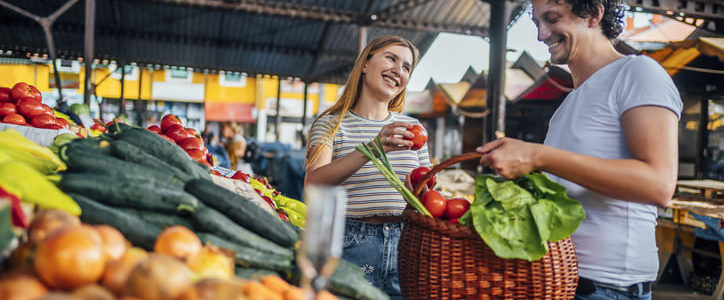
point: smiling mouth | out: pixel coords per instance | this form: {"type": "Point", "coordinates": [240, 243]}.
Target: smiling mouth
{"type": "Point", "coordinates": [553, 44]}
{"type": "Point", "coordinates": [390, 81]}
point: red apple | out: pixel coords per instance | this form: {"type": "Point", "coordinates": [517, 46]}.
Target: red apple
{"type": "Point", "coordinates": [16, 119]}
{"type": "Point", "coordinates": [5, 94]}
{"type": "Point", "coordinates": [169, 120]}
{"type": "Point", "coordinates": [7, 108]}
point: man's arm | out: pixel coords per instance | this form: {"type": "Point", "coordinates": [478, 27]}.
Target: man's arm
{"type": "Point", "coordinates": [648, 177]}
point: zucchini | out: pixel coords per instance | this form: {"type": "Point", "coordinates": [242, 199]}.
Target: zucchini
{"type": "Point", "coordinates": [250, 273]}
{"type": "Point", "coordinates": [139, 232]}
{"type": "Point", "coordinates": [169, 152]}
{"type": "Point", "coordinates": [84, 161]}
{"type": "Point", "coordinates": [207, 219]}
{"type": "Point", "coordinates": [131, 153]}
{"type": "Point", "coordinates": [90, 145]}
{"type": "Point", "coordinates": [161, 219]}
{"type": "Point", "coordinates": [128, 193]}
{"type": "Point", "coordinates": [117, 127]}
{"type": "Point", "coordinates": [249, 257]}
{"type": "Point", "coordinates": [243, 212]}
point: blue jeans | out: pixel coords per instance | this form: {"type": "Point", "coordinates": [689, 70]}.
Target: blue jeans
{"type": "Point", "coordinates": [373, 247]}
{"type": "Point", "coordinates": [603, 293]}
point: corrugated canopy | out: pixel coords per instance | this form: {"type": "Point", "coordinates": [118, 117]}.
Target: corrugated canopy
{"type": "Point", "coordinates": [316, 40]}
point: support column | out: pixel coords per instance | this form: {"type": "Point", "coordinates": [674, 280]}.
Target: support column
{"type": "Point", "coordinates": [122, 108]}
{"type": "Point", "coordinates": [362, 38]}
{"type": "Point", "coordinates": [495, 100]}
{"type": "Point", "coordinates": [90, 17]}
{"type": "Point", "coordinates": [278, 117]}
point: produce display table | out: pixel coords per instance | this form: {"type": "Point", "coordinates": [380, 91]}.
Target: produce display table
{"type": "Point", "coordinates": [677, 235]}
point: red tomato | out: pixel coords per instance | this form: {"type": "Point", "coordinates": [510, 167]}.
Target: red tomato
{"type": "Point", "coordinates": [23, 90]}
{"type": "Point", "coordinates": [16, 119]}
{"type": "Point", "coordinates": [7, 108]}
{"type": "Point", "coordinates": [417, 174]}
{"type": "Point", "coordinates": [154, 128]}
{"type": "Point", "coordinates": [435, 203]}
{"type": "Point", "coordinates": [169, 120]}
{"type": "Point", "coordinates": [270, 202]}
{"type": "Point", "coordinates": [420, 137]}
{"type": "Point", "coordinates": [214, 172]}
{"type": "Point", "coordinates": [62, 122]}
{"type": "Point", "coordinates": [456, 208]}
{"type": "Point", "coordinates": [5, 94]}
{"type": "Point", "coordinates": [209, 157]}
{"type": "Point", "coordinates": [177, 132]}
{"type": "Point", "coordinates": [192, 143]}
{"type": "Point", "coordinates": [198, 155]}
{"type": "Point", "coordinates": [43, 120]}
{"type": "Point", "coordinates": [48, 110]}
{"type": "Point", "coordinates": [168, 138]}
{"type": "Point", "coordinates": [30, 107]}
{"type": "Point", "coordinates": [98, 127]}
{"type": "Point", "coordinates": [193, 132]}
{"type": "Point", "coordinates": [283, 215]}
{"type": "Point", "coordinates": [36, 93]}
{"type": "Point", "coordinates": [241, 176]}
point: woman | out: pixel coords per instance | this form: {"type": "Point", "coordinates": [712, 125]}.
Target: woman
{"type": "Point", "coordinates": [368, 108]}
{"type": "Point", "coordinates": [235, 146]}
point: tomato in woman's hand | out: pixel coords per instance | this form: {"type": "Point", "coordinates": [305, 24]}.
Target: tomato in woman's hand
{"type": "Point", "coordinates": [16, 119]}
{"type": "Point", "coordinates": [7, 108]}
{"type": "Point", "coordinates": [417, 174]}
{"type": "Point", "coordinates": [435, 203]}
{"type": "Point", "coordinates": [420, 137]}
{"type": "Point", "coordinates": [456, 208]}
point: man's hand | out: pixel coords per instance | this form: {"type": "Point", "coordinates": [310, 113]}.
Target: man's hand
{"type": "Point", "coordinates": [510, 158]}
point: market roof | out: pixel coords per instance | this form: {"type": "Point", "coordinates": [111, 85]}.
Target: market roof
{"type": "Point", "coordinates": [316, 40]}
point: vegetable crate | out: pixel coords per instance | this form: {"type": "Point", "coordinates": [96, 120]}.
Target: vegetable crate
{"type": "Point", "coordinates": [441, 260]}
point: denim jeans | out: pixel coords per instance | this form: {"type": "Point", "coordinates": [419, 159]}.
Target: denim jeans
{"type": "Point", "coordinates": [373, 247]}
{"type": "Point", "coordinates": [603, 293]}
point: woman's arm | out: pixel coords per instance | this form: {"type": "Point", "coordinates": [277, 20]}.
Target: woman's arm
{"type": "Point", "coordinates": [648, 177]}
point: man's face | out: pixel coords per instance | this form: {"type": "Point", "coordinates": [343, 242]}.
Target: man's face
{"type": "Point", "coordinates": [562, 31]}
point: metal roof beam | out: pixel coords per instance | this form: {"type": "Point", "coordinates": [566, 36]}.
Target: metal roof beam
{"type": "Point", "coordinates": [401, 7]}
{"type": "Point", "coordinates": [293, 10]}
{"type": "Point", "coordinates": [713, 9]}
{"type": "Point", "coordinates": [395, 22]}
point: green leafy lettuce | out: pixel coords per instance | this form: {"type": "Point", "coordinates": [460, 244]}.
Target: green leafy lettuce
{"type": "Point", "coordinates": [517, 218]}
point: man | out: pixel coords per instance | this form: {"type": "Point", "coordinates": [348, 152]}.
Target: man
{"type": "Point", "coordinates": [612, 143]}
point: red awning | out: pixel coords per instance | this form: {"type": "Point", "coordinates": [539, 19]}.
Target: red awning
{"type": "Point", "coordinates": [223, 111]}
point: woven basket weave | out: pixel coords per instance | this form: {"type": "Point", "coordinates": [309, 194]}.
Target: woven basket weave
{"type": "Point", "coordinates": [441, 260]}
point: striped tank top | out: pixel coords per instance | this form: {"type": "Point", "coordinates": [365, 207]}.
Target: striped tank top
{"type": "Point", "coordinates": [368, 192]}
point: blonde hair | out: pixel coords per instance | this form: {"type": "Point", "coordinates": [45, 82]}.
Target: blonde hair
{"type": "Point", "coordinates": [353, 86]}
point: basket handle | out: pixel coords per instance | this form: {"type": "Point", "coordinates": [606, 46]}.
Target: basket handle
{"type": "Point", "coordinates": [441, 166]}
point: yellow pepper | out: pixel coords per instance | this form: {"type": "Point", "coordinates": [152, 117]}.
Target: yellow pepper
{"type": "Point", "coordinates": [33, 187]}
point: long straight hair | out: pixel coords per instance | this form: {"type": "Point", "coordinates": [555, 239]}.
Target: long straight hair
{"type": "Point", "coordinates": [353, 86]}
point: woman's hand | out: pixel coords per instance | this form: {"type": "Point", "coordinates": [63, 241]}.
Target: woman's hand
{"type": "Point", "coordinates": [510, 158]}
{"type": "Point", "coordinates": [392, 136]}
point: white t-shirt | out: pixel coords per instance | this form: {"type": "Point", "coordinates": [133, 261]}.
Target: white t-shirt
{"type": "Point", "coordinates": [616, 243]}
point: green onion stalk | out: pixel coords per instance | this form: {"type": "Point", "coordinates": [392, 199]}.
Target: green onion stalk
{"type": "Point", "coordinates": [376, 154]}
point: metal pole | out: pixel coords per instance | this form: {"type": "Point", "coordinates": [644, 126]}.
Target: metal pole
{"type": "Point", "coordinates": [139, 105]}
{"type": "Point", "coordinates": [495, 100]}
{"type": "Point", "coordinates": [122, 109]}
{"type": "Point", "coordinates": [90, 18]}
{"type": "Point", "coordinates": [278, 117]}
{"type": "Point", "coordinates": [51, 53]}
{"type": "Point", "coordinates": [304, 109]}
{"type": "Point", "coordinates": [362, 37]}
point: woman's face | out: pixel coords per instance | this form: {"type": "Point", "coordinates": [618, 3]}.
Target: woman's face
{"type": "Point", "coordinates": [387, 72]}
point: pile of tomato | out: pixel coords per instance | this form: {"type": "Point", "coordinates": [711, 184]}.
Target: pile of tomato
{"type": "Point", "coordinates": [187, 138]}
{"type": "Point", "coordinates": [438, 205]}
{"type": "Point", "coordinates": [22, 105]}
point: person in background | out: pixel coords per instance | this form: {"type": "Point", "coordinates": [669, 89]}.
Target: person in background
{"type": "Point", "coordinates": [235, 144]}
{"type": "Point", "coordinates": [612, 143]}
{"type": "Point", "coordinates": [216, 149]}
{"type": "Point", "coordinates": [369, 108]}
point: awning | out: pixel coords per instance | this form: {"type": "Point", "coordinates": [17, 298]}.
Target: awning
{"type": "Point", "coordinates": [706, 45]}
{"type": "Point", "coordinates": [679, 54]}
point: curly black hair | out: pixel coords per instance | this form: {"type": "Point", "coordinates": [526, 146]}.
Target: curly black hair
{"type": "Point", "coordinates": [613, 13]}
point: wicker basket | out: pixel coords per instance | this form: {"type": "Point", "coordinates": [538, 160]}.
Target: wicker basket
{"type": "Point", "coordinates": [441, 260]}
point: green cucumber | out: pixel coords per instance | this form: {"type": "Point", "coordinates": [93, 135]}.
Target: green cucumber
{"type": "Point", "coordinates": [85, 161]}
{"type": "Point", "coordinates": [169, 152]}
{"type": "Point", "coordinates": [207, 219]}
{"type": "Point", "coordinates": [137, 231]}
{"type": "Point", "coordinates": [161, 219]}
{"type": "Point", "coordinates": [249, 257]}
{"type": "Point", "coordinates": [251, 273]}
{"type": "Point", "coordinates": [129, 152]}
{"type": "Point", "coordinates": [243, 212]}
{"type": "Point", "coordinates": [128, 193]}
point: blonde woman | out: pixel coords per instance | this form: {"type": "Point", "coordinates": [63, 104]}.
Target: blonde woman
{"type": "Point", "coordinates": [369, 107]}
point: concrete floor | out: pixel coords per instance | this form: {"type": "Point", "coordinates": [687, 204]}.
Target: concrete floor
{"type": "Point", "coordinates": [669, 291]}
